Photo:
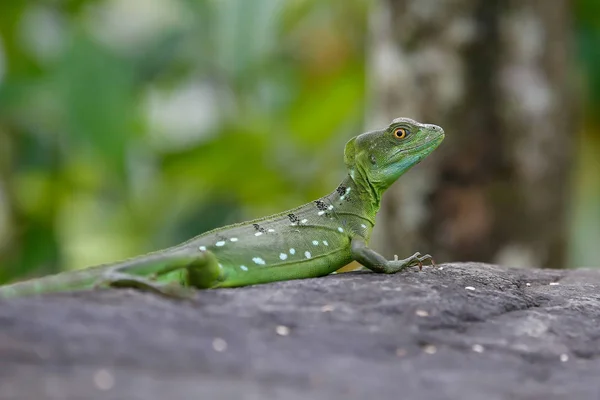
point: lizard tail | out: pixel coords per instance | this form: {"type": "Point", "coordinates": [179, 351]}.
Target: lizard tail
{"type": "Point", "coordinates": [65, 281]}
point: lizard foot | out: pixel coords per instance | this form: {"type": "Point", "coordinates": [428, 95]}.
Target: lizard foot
{"type": "Point", "coordinates": [417, 259]}
{"type": "Point", "coordinates": [120, 280]}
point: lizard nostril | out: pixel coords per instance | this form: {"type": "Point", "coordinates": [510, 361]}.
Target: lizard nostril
{"type": "Point", "coordinates": [435, 128]}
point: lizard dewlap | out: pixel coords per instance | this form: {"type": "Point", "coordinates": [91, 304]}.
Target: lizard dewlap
{"type": "Point", "coordinates": [312, 240]}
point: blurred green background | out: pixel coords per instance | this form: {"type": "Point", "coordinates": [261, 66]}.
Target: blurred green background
{"type": "Point", "coordinates": [131, 125]}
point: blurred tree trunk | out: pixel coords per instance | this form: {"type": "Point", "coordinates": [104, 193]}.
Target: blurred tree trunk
{"type": "Point", "coordinates": [493, 74]}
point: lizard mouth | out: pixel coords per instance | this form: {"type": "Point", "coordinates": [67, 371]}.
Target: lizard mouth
{"type": "Point", "coordinates": [433, 143]}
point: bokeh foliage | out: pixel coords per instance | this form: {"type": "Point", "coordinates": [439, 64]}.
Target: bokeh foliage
{"type": "Point", "coordinates": [587, 14]}
{"type": "Point", "coordinates": [131, 125]}
{"type": "Point", "coordinates": [127, 126]}
{"type": "Point", "coordinates": [585, 212]}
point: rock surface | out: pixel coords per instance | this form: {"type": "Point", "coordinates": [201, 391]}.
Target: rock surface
{"type": "Point", "coordinates": [468, 331]}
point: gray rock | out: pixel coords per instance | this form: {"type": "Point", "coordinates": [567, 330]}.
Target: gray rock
{"type": "Point", "coordinates": [460, 331]}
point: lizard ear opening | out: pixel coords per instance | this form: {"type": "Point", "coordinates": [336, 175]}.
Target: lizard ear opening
{"type": "Point", "coordinates": [350, 153]}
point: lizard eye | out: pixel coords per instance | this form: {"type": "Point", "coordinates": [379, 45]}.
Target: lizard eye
{"type": "Point", "coordinates": [400, 133]}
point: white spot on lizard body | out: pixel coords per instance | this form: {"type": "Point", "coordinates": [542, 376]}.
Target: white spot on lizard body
{"type": "Point", "coordinates": [271, 230]}
{"type": "Point", "coordinates": [234, 239]}
{"type": "Point", "coordinates": [307, 254]}
{"type": "Point", "coordinates": [325, 243]}
{"type": "Point", "coordinates": [304, 221]}
{"type": "Point", "coordinates": [292, 251]}
{"type": "Point", "coordinates": [315, 242]}
{"type": "Point", "coordinates": [340, 229]}
{"type": "Point", "coordinates": [363, 226]}
{"type": "Point", "coordinates": [321, 213]}
{"type": "Point", "coordinates": [330, 208]}
{"type": "Point", "coordinates": [202, 248]}
{"type": "Point", "coordinates": [348, 189]}
{"type": "Point", "coordinates": [243, 268]}
{"type": "Point", "coordinates": [282, 256]}
{"type": "Point", "coordinates": [220, 243]}
{"type": "Point", "coordinates": [258, 260]}
{"type": "Point", "coordinates": [258, 234]}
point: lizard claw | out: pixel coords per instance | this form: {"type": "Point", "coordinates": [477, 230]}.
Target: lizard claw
{"type": "Point", "coordinates": [416, 260]}
{"type": "Point", "coordinates": [425, 258]}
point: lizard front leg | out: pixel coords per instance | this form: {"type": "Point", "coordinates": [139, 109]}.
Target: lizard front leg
{"type": "Point", "coordinates": [377, 263]}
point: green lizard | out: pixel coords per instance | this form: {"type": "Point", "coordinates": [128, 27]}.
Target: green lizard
{"type": "Point", "coordinates": [312, 240]}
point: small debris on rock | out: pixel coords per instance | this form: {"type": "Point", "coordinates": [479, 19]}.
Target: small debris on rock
{"type": "Point", "coordinates": [554, 283]}
{"type": "Point", "coordinates": [104, 380]}
{"type": "Point", "coordinates": [469, 288]}
{"type": "Point", "coordinates": [374, 328]}
{"type": "Point", "coordinates": [430, 349]}
{"type": "Point", "coordinates": [564, 357]}
{"type": "Point", "coordinates": [422, 313]}
{"type": "Point", "coordinates": [282, 330]}
{"type": "Point", "coordinates": [528, 284]}
{"type": "Point", "coordinates": [327, 308]}
{"type": "Point", "coordinates": [219, 344]}
{"type": "Point", "coordinates": [477, 348]}
{"type": "Point", "coordinates": [440, 268]}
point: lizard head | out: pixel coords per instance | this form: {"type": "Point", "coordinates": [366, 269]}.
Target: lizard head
{"type": "Point", "coordinates": [381, 157]}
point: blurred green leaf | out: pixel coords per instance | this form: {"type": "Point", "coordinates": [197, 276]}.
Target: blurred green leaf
{"type": "Point", "coordinates": [96, 89]}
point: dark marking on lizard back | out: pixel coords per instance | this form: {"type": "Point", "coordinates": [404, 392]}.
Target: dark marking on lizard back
{"type": "Point", "coordinates": [259, 228]}
{"type": "Point", "coordinates": [293, 218]}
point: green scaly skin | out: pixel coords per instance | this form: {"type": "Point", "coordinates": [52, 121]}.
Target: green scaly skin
{"type": "Point", "coordinates": [312, 240]}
